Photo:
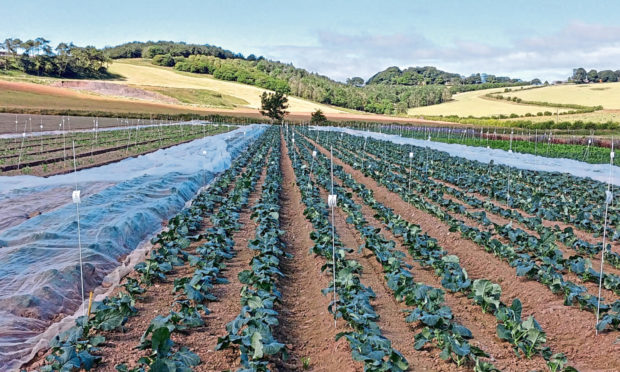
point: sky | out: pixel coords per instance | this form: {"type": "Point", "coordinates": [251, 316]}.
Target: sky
{"type": "Point", "coordinates": [342, 39]}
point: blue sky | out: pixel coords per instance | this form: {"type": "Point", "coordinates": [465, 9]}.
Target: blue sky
{"type": "Point", "coordinates": [342, 39]}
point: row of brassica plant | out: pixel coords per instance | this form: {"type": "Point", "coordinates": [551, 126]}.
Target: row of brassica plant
{"type": "Point", "coordinates": [544, 245]}
{"type": "Point", "coordinates": [430, 310]}
{"type": "Point", "coordinates": [252, 329]}
{"type": "Point", "coordinates": [581, 202]}
{"type": "Point", "coordinates": [77, 347]}
{"type": "Point", "coordinates": [352, 303]}
{"type": "Point", "coordinates": [527, 265]}
{"type": "Point", "coordinates": [209, 260]}
{"type": "Point", "coordinates": [526, 336]}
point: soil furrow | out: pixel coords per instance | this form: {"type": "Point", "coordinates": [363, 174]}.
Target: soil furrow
{"type": "Point", "coordinates": [572, 337]}
{"type": "Point", "coordinates": [306, 326]}
{"type": "Point", "coordinates": [228, 305]}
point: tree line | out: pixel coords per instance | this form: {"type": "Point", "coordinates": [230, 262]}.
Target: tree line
{"type": "Point", "coordinates": [150, 49]}
{"type": "Point", "coordinates": [285, 78]}
{"type": "Point", "coordinates": [37, 57]}
{"type": "Point", "coordinates": [581, 76]}
{"type": "Point", "coordinates": [429, 75]}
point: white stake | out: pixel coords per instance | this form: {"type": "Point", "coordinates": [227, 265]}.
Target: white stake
{"type": "Point", "coordinates": [409, 185]}
{"type": "Point", "coordinates": [76, 201]}
{"type": "Point", "coordinates": [331, 202]}
{"type": "Point", "coordinates": [608, 200]}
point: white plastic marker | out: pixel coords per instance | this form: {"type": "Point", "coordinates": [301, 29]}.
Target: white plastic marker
{"type": "Point", "coordinates": [77, 200]}
{"type": "Point", "coordinates": [41, 135]}
{"type": "Point", "coordinates": [364, 151]}
{"type": "Point", "coordinates": [311, 165]}
{"type": "Point", "coordinates": [608, 199]}
{"type": "Point", "coordinates": [332, 202]}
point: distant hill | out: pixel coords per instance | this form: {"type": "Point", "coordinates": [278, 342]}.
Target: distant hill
{"type": "Point", "coordinates": [429, 75]}
{"type": "Point", "coordinates": [392, 91]}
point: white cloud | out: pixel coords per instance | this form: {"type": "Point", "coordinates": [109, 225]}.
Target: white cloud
{"type": "Point", "coordinates": [339, 55]}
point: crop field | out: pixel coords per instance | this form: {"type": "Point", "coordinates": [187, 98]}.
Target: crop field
{"type": "Point", "coordinates": [423, 262]}
{"type": "Point", "coordinates": [606, 95]}
{"type": "Point", "coordinates": [590, 149]}
{"type": "Point", "coordinates": [47, 155]}
{"type": "Point", "coordinates": [476, 104]}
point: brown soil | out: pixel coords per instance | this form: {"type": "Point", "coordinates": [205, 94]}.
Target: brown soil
{"type": "Point", "coordinates": [596, 261]}
{"type": "Point", "coordinates": [306, 326]}
{"type": "Point", "coordinates": [45, 95]}
{"type": "Point", "coordinates": [571, 337]}
{"type": "Point", "coordinates": [115, 90]}
{"type": "Point", "coordinates": [465, 312]}
{"type": "Point", "coordinates": [228, 305]}
{"type": "Point", "coordinates": [392, 319]}
{"type": "Point", "coordinates": [482, 326]}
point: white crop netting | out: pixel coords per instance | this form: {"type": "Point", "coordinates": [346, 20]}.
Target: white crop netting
{"type": "Point", "coordinates": [123, 204]}
{"type": "Point", "coordinates": [598, 172]}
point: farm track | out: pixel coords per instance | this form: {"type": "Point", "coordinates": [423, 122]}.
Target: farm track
{"type": "Point", "coordinates": [306, 325]}
{"type": "Point", "coordinates": [572, 337]}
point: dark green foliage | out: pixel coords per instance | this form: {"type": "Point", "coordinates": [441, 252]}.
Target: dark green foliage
{"type": "Point", "coordinates": [318, 117]}
{"type": "Point", "coordinates": [164, 60]}
{"type": "Point", "coordinates": [150, 49]}
{"type": "Point", "coordinates": [38, 58]}
{"type": "Point", "coordinates": [274, 105]}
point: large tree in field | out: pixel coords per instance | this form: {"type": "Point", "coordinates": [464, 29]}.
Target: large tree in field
{"type": "Point", "coordinates": [317, 117]}
{"type": "Point", "coordinates": [273, 105]}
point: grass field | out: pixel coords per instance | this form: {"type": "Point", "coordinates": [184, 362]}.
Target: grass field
{"type": "Point", "coordinates": [142, 75]}
{"type": "Point", "coordinates": [200, 97]}
{"type": "Point", "coordinates": [475, 104]}
{"type": "Point", "coordinates": [606, 94]}
{"type": "Point", "coordinates": [33, 98]}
